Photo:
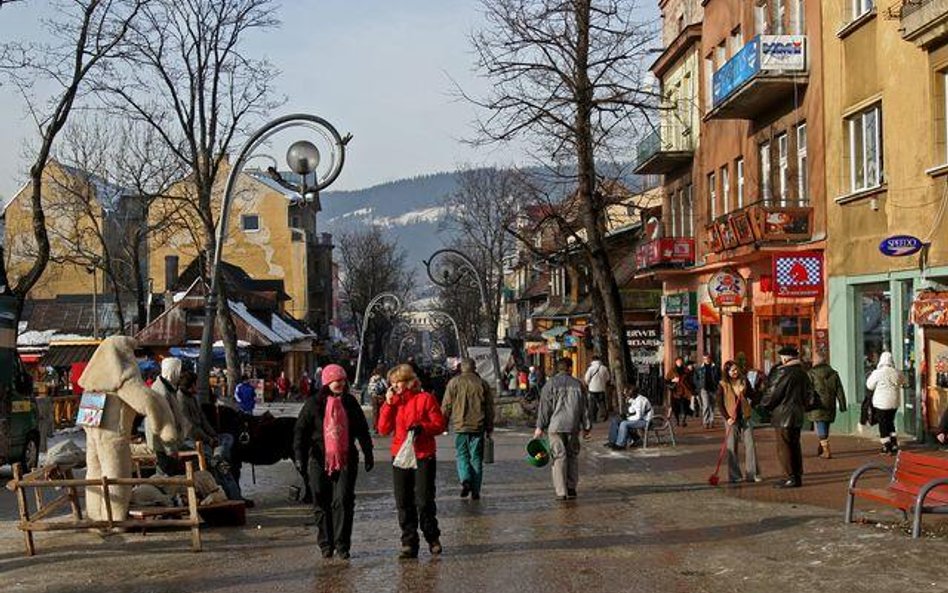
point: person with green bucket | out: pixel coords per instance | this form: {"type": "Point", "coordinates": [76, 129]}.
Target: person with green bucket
{"type": "Point", "coordinates": [563, 414]}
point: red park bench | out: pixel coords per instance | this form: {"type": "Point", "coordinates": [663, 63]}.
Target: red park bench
{"type": "Point", "coordinates": [918, 484]}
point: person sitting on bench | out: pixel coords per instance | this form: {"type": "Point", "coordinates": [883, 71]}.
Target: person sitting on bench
{"type": "Point", "coordinates": [639, 415]}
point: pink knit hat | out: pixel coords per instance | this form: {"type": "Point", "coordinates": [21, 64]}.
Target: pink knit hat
{"type": "Point", "coordinates": [333, 372]}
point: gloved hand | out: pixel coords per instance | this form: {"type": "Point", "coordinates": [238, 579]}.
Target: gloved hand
{"type": "Point", "coordinates": [369, 462]}
{"type": "Point", "coordinates": [416, 430]}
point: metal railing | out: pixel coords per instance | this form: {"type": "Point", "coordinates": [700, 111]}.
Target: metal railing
{"type": "Point", "coordinates": [666, 138]}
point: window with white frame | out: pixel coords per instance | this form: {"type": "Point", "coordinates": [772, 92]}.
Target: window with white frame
{"type": "Point", "coordinates": [720, 56]}
{"type": "Point", "coordinates": [780, 16]}
{"type": "Point", "coordinates": [765, 193]}
{"type": "Point", "coordinates": [861, 7]}
{"type": "Point", "coordinates": [739, 169]}
{"type": "Point", "coordinates": [249, 222]}
{"type": "Point", "coordinates": [803, 188]}
{"type": "Point", "coordinates": [865, 148]}
{"type": "Point", "coordinates": [725, 189]}
{"type": "Point", "coordinates": [688, 213]}
{"type": "Point", "coordinates": [783, 171]}
{"type": "Point", "coordinates": [708, 82]}
{"type": "Point", "coordinates": [712, 197]}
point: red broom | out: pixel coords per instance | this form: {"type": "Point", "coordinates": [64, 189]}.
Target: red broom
{"type": "Point", "coordinates": [714, 479]}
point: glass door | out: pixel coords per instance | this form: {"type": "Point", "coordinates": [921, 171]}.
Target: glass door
{"type": "Point", "coordinates": [873, 329]}
{"type": "Point", "coordinates": [910, 395]}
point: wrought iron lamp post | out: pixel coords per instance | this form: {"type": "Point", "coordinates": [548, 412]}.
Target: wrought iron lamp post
{"type": "Point", "coordinates": [391, 304]}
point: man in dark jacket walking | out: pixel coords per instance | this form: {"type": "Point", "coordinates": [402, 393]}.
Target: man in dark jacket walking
{"type": "Point", "coordinates": [707, 380]}
{"type": "Point", "coordinates": [469, 407]}
{"type": "Point", "coordinates": [787, 390]}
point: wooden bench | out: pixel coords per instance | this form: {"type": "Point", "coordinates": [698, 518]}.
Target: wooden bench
{"type": "Point", "coordinates": [917, 483]}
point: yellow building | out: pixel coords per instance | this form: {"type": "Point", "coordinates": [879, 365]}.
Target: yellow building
{"type": "Point", "coordinates": [885, 71]}
{"type": "Point", "coordinates": [271, 234]}
{"type": "Point", "coordinates": [83, 213]}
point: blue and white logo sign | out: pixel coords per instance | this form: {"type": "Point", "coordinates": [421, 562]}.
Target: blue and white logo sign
{"type": "Point", "coordinates": [900, 245]}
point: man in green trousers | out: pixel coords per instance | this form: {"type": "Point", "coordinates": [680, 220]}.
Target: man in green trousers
{"type": "Point", "coordinates": [469, 407]}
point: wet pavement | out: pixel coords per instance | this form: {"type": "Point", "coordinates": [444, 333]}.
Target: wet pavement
{"type": "Point", "coordinates": [644, 521]}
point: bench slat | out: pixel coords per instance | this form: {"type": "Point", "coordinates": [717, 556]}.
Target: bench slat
{"type": "Point", "coordinates": [889, 497]}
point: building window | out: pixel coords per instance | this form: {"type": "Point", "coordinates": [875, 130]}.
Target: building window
{"type": "Point", "coordinates": [720, 56]}
{"type": "Point", "coordinates": [861, 7]}
{"type": "Point", "coordinates": [708, 82]}
{"type": "Point", "coordinates": [725, 189]}
{"type": "Point", "coordinates": [739, 167]}
{"type": "Point", "coordinates": [688, 214]}
{"type": "Point", "coordinates": [736, 41]}
{"type": "Point", "coordinates": [865, 148]}
{"type": "Point", "coordinates": [765, 193]}
{"type": "Point", "coordinates": [760, 19]}
{"type": "Point", "coordinates": [712, 197]}
{"type": "Point", "coordinates": [941, 119]}
{"type": "Point", "coordinates": [783, 162]}
{"type": "Point", "coordinates": [249, 222]}
{"type": "Point", "coordinates": [780, 16]}
{"type": "Point", "coordinates": [803, 190]}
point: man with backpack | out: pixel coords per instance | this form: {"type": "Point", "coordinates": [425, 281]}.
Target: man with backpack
{"type": "Point", "coordinates": [597, 380]}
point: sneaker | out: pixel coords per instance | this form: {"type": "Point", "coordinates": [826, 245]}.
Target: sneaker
{"type": "Point", "coordinates": [465, 488]}
{"type": "Point", "coordinates": [435, 548]}
{"type": "Point", "coordinates": [790, 483]}
{"type": "Point", "coordinates": [408, 553]}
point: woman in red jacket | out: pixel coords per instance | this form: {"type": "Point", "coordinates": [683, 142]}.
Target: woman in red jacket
{"type": "Point", "coordinates": [407, 408]}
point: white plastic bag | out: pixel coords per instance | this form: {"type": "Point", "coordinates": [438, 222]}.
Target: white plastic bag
{"type": "Point", "coordinates": [406, 454]}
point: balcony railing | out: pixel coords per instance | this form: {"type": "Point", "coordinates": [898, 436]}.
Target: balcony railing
{"type": "Point", "coordinates": [924, 22]}
{"type": "Point", "coordinates": [666, 251]}
{"type": "Point", "coordinates": [765, 71]}
{"type": "Point", "coordinates": [664, 150]}
{"type": "Point", "coordinates": [760, 223]}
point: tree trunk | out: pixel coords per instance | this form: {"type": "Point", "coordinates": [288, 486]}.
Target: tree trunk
{"type": "Point", "coordinates": [228, 332]}
{"type": "Point", "coordinates": [591, 204]}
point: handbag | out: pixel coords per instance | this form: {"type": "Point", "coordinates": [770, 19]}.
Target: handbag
{"type": "Point", "coordinates": [488, 449]}
{"type": "Point", "coordinates": [405, 459]}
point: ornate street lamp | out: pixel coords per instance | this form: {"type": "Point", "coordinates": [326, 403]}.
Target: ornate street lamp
{"type": "Point", "coordinates": [441, 318]}
{"type": "Point", "coordinates": [304, 159]}
{"type": "Point", "coordinates": [390, 305]}
{"type": "Point", "coordinates": [448, 267]}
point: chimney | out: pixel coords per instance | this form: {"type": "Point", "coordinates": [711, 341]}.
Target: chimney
{"type": "Point", "coordinates": [171, 272]}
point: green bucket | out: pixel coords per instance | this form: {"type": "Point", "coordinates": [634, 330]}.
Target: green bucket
{"type": "Point", "coordinates": [538, 452]}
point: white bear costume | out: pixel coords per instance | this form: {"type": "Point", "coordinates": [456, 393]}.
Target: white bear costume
{"type": "Point", "coordinates": [113, 370]}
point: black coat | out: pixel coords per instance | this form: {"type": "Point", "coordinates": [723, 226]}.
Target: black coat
{"type": "Point", "coordinates": [308, 443]}
{"type": "Point", "coordinates": [787, 390]}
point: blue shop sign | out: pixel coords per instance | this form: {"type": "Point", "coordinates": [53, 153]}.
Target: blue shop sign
{"type": "Point", "coordinates": [736, 71]}
{"type": "Point", "coordinates": [691, 324]}
{"type": "Point", "coordinates": [900, 245]}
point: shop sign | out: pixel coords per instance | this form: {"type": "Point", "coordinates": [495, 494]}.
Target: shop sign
{"type": "Point", "coordinates": [798, 274]}
{"type": "Point", "coordinates": [783, 52]}
{"type": "Point", "coordinates": [727, 288]}
{"type": "Point", "coordinates": [645, 342]}
{"type": "Point", "coordinates": [900, 245]}
{"type": "Point", "coordinates": [708, 314]}
{"type": "Point", "coordinates": [736, 71]}
{"type": "Point", "coordinates": [691, 323]}
{"type": "Point", "coordinates": [679, 304]}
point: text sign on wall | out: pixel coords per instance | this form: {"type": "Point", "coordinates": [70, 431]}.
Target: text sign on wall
{"type": "Point", "coordinates": [645, 342]}
{"type": "Point", "coordinates": [783, 52]}
{"type": "Point", "coordinates": [900, 245]}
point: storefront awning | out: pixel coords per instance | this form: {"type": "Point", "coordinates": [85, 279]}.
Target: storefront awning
{"type": "Point", "coordinates": [64, 356]}
{"type": "Point", "coordinates": [930, 308]}
{"type": "Point", "coordinates": [555, 332]}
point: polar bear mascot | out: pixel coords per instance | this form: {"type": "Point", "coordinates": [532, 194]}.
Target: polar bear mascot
{"type": "Point", "coordinates": [113, 371]}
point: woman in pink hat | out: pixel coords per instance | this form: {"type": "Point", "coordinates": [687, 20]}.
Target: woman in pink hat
{"type": "Point", "coordinates": [326, 432]}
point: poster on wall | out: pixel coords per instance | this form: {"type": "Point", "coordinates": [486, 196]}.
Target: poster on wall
{"type": "Point", "coordinates": [783, 52]}
{"type": "Point", "coordinates": [798, 274]}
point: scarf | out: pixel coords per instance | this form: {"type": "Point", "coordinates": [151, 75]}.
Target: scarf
{"type": "Point", "coordinates": [335, 434]}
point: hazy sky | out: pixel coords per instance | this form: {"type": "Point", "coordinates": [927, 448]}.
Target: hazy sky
{"type": "Point", "coordinates": [377, 68]}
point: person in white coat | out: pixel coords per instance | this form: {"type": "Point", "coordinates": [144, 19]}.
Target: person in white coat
{"type": "Point", "coordinates": [597, 380]}
{"type": "Point", "coordinates": [885, 383]}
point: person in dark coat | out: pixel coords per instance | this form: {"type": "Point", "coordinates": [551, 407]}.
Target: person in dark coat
{"type": "Point", "coordinates": [680, 388]}
{"type": "Point", "coordinates": [787, 390]}
{"type": "Point", "coordinates": [324, 442]}
{"type": "Point", "coordinates": [829, 387]}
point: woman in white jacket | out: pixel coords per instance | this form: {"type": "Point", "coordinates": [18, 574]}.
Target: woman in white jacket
{"type": "Point", "coordinates": [886, 385]}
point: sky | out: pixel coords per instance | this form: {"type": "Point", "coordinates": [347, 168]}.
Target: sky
{"type": "Point", "coordinates": [380, 69]}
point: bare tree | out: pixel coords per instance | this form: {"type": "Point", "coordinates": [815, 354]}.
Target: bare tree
{"type": "Point", "coordinates": [87, 36]}
{"type": "Point", "coordinates": [188, 77]}
{"type": "Point", "coordinates": [478, 213]}
{"type": "Point", "coordinates": [567, 76]}
{"type": "Point", "coordinates": [371, 265]}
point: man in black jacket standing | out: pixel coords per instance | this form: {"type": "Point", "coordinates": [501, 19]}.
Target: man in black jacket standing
{"type": "Point", "coordinates": [786, 393]}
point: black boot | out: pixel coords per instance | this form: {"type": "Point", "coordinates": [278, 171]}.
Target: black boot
{"type": "Point", "coordinates": [893, 445]}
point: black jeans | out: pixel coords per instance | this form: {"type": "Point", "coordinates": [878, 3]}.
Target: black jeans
{"type": "Point", "coordinates": [886, 423]}
{"type": "Point", "coordinates": [415, 501]}
{"type": "Point", "coordinates": [334, 504]}
{"type": "Point", "coordinates": [790, 453]}
{"type": "Point", "coordinates": [597, 403]}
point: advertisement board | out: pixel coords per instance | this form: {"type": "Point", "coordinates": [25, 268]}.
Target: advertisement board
{"type": "Point", "coordinates": [783, 52]}
{"type": "Point", "coordinates": [727, 288]}
{"type": "Point", "coordinates": [798, 274]}
{"type": "Point", "coordinates": [645, 342]}
{"type": "Point", "coordinates": [736, 71]}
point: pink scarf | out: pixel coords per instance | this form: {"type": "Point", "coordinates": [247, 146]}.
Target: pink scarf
{"type": "Point", "coordinates": [335, 434]}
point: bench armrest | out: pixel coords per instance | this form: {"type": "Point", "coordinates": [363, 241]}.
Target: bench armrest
{"type": "Point", "coordinates": [872, 465]}
{"type": "Point", "coordinates": [927, 488]}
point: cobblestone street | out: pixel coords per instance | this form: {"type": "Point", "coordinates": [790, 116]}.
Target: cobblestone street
{"type": "Point", "coordinates": [644, 521]}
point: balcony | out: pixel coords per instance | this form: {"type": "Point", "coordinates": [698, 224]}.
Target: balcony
{"type": "Point", "coordinates": [759, 224]}
{"type": "Point", "coordinates": [764, 72]}
{"type": "Point", "coordinates": [924, 22]}
{"type": "Point", "coordinates": [666, 252]}
{"type": "Point", "coordinates": [665, 150]}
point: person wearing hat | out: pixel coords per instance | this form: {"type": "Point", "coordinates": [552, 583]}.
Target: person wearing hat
{"type": "Point", "coordinates": [326, 431]}
{"type": "Point", "coordinates": [785, 398]}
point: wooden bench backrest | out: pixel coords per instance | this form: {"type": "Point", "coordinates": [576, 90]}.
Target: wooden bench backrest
{"type": "Point", "coordinates": [914, 470]}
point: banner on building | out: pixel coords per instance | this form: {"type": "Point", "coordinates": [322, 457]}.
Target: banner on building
{"type": "Point", "coordinates": [798, 274]}
{"type": "Point", "coordinates": [783, 52]}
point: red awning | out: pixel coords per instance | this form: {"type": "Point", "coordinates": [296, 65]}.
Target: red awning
{"type": "Point", "coordinates": [30, 358]}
